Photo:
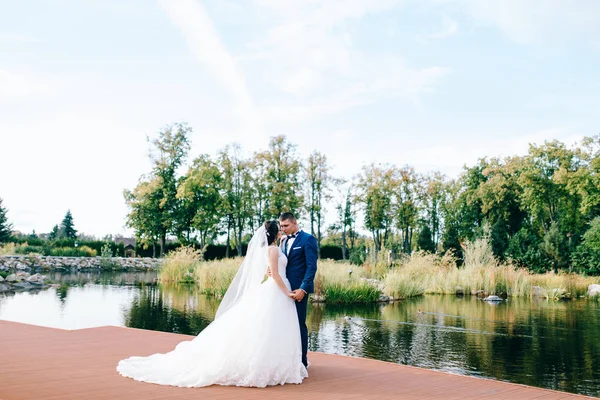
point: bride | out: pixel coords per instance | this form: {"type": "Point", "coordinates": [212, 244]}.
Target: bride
{"type": "Point", "coordinates": [254, 339]}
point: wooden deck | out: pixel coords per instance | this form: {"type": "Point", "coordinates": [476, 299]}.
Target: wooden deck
{"type": "Point", "coordinates": [46, 363]}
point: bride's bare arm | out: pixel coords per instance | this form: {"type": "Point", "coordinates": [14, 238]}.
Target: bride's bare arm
{"type": "Point", "coordinates": [273, 264]}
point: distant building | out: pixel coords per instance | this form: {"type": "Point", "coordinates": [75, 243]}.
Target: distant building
{"type": "Point", "coordinates": [128, 244]}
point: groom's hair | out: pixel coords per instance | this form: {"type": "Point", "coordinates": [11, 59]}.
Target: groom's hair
{"type": "Point", "coordinates": [287, 216]}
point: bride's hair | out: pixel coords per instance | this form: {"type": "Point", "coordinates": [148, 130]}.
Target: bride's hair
{"type": "Point", "coordinates": [272, 228]}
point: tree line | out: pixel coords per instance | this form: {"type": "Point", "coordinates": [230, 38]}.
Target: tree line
{"type": "Point", "coordinates": [227, 195]}
{"type": "Point", "coordinates": [539, 210]}
{"type": "Point", "coordinates": [66, 229]}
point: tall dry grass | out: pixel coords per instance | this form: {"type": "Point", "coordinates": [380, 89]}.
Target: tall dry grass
{"type": "Point", "coordinates": [185, 265]}
{"type": "Point", "coordinates": [417, 274]}
{"type": "Point", "coordinates": [426, 273]}
{"type": "Point", "coordinates": [8, 249]}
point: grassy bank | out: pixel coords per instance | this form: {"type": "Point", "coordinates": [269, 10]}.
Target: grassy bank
{"type": "Point", "coordinates": [336, 282]}
{"type": "Point", "coordinates": [421, 273]}
{"type": "Point", "coordinates": [11, 249]}
{"type": "Point", "coordinates": [211, 277]}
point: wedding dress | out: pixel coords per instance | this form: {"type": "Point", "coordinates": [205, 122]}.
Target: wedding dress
{"type": "Point", "coordinates": [254, 340]}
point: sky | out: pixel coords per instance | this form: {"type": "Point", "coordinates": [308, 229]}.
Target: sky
{"type": "Point", "coordinates": [434, 84]}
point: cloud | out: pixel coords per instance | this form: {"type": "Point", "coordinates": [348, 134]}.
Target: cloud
{"type": "Point", "coordinates": [449, 29]}
{"type": "Point", "coordinates": [537, 21]}
{"type": "Point", "coordinates": [379, 79]}
{"type": "Point", "coordinates": [203, 40]}
{"type": "Point", "coordinates": [310, 56]}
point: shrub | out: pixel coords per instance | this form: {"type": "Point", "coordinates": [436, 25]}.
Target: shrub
{"type": "Point", "coordinates": [586, 258]}
{"type": "Point", "coordinates": [180, 265]}
{"type": "Point", "coordinates": [8, 249]}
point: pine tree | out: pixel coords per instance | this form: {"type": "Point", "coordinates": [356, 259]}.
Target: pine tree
{"type": "Point", "coordinates": [5, 227]}
{"type": "Point", "coordinates": [67, 227]}
{"type": "Point", "coordinates": [54, 234]}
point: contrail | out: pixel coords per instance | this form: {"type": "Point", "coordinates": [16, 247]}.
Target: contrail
{"type": "Point", "coordinates": [203, 40]}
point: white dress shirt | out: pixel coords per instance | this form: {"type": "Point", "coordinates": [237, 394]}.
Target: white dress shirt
{"type": "Point", "coordinates": [288, 244]}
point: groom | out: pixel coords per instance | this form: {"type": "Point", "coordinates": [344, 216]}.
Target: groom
{"type": "Point", "coordinates": [301, 251]}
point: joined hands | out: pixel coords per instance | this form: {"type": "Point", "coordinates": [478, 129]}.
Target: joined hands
{"type": "Point", "coordinates": [297, 294]}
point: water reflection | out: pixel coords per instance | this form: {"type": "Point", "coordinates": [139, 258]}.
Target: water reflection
{"type": "Point", "coordinates": [102, 278]}
{"type": "Point", "coordinates": [539, 343]}
{"type": "Point", "coordinates": [177, 309]}
{"type": "Point", "coordinates": [547, 344]}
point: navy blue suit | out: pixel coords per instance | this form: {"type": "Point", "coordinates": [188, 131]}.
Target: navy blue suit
{"type": "Point", "coordinates": [300, 271]}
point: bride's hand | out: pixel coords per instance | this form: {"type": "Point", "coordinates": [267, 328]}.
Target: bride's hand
{"type": "Point", "coordinates": [291, 295]}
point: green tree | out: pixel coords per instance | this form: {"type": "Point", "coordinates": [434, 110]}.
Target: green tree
{"type": "Point", "coordinates": [500, 200]}
{"type": "Point", "coordinates": [236, 200]}
{"type": "Point", "coordinates": [318, 182]}
{"type": "Point", "coordinates": [184, 217]}
{"type": "Point", "coordinates": [168, 152]}
{"type": "Point", "coordinates": [375, 194]}
{"type": "Point", "coordinates": [462, 209]}
{"type": "Point", "coordinates": [144, 204]}
{"type": "Point", "coordinates": [345, 220]}
{"type": "Point", "coordinates": [54, 233]}
{"type": "Point", "coordinates": [545, 195]}
{"type": "Point", "coordinates": [67, 227]}
{"type": "Point", "coordinates": [554, 208]}
{"type": "Point", "coordinates": [585, 180]}
{"type": "Point", "coordinates": [425, 240]}
{"type": "Point", "coordinates": [525, 250]}
{"type": "Point", "coordinates": [554, 246]}
{"type": "Point", "coordinates": [259, 191]}
{"type": "Point", "coordinates": [432, 198]}
{"type": "Point", "coordinates": [405, 187]}
{"type": "Point", "coordinates": [452, 206]}
{"type": "Point", "coordinates": [201, 192]}
{"type": "Point", "coordinates": [472, 218]}
{"type": "Point", "coordinates": [279, 179]}
{"type": "Point", "coordinates": [5, 226]}
{"type": "Point", "coordinates": [586, 257]}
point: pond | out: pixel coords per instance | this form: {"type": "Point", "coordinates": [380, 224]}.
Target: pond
{"type": "Point", "coordinates": [553, 345]}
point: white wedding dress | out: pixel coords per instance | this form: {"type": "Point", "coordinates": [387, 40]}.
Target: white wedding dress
{"type": "Point", "coordinates": [254, 343]}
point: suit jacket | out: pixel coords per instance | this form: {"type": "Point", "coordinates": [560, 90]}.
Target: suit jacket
{"type": "Point", "coordinates": [302, 261]}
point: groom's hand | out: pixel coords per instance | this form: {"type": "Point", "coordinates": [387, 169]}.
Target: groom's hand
{"type": "Point", "coordinates": [298, 294]}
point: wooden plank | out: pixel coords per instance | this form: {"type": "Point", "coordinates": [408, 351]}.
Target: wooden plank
{"type": "Point", "coordinates": [39, 362]}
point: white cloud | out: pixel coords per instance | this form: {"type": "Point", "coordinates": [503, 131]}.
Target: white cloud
{"type": "Point", "coordinates": [450, 28]}
{"type": "Point", "coordinates": [377, 79]}
{"type": "Point", "coordinates": [538, 21]}
{"type": "Point", "coordinates": [311, 57]}
{"type": "Point", "coordinates": [203, 40]}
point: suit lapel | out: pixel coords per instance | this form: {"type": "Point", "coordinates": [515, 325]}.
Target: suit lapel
{"type": "Point", "coordinates": [296, 241]}
{"type": "Point", "coordinates": [286, 249]}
